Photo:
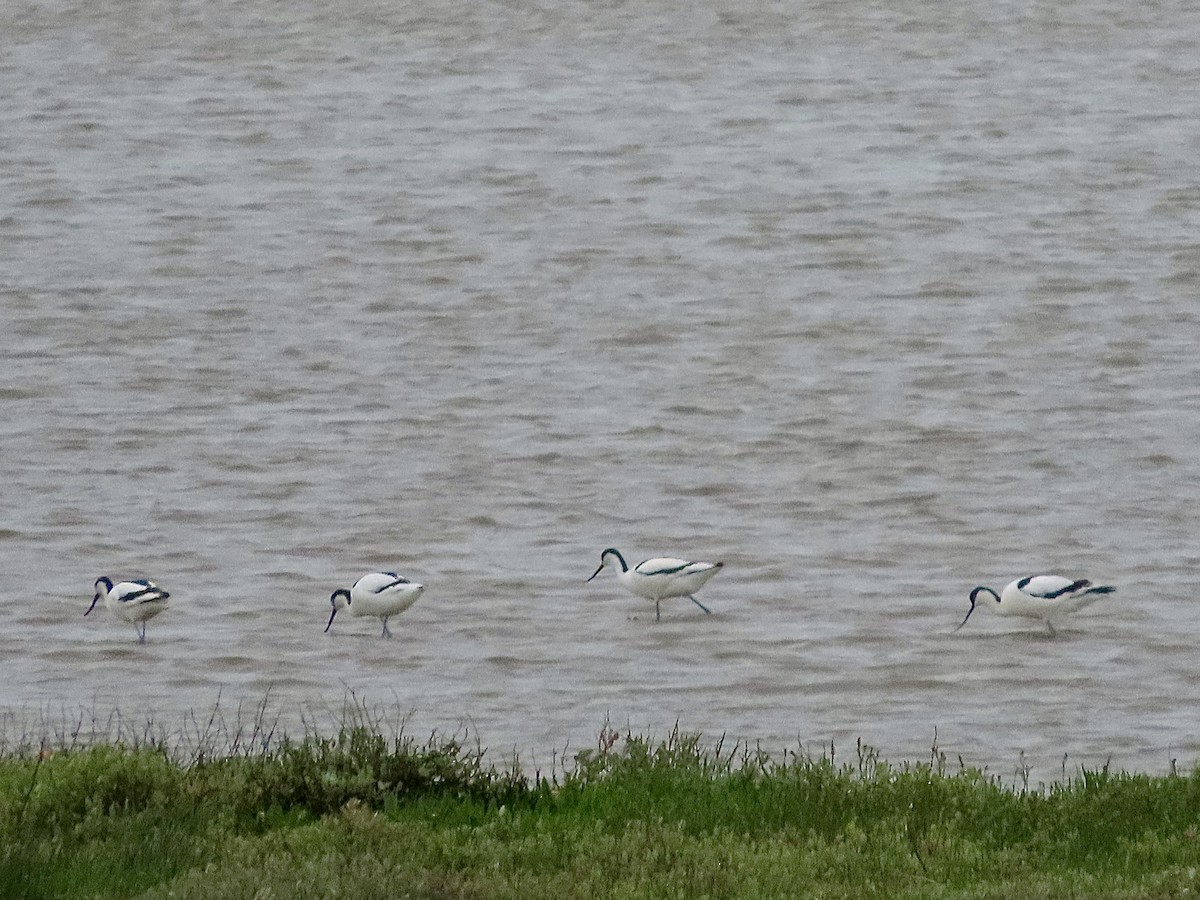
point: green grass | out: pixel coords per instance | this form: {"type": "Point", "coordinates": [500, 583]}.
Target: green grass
{"type": "Point", "coordinates": [368, 814]}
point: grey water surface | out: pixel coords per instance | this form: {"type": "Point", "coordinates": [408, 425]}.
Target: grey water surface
{"type": "Point", "coordinates": [873, 303]}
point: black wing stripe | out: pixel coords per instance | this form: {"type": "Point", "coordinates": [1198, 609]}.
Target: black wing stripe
{"type": "Point", "coordinates": [1069, 589]}
{"type": "Point", "coordinates": [393, 584]}
{"type": "Point", "coordinates": [671, 571]}
{"type": "Point", "coordinates": [139, 595]}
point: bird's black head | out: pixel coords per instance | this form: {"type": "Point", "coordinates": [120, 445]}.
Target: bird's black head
{"type": "Point", "coordinates": [612, 551]}
{"type": "Point", "coordinates": [338, 599]}
{"type": "Point", "coordinates": [604, 558]}
{"type": "Point", "coordinates": [975, 601]}
{"type": "Point", "coordinates": [103, 586]}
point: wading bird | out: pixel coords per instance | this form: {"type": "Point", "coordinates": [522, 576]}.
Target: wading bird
{"type": "Point", "coordinates": [380, 594]}
{"type": "Point", "coordinates": [660, 578]}
{"type": "Point", "coordinates": [133, 601]}
{"type": "Point", "coordinates": [1045, 597]}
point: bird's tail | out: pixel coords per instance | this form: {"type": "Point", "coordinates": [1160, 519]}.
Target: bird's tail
{"type": "Point", "coordinates": [1091, 594]}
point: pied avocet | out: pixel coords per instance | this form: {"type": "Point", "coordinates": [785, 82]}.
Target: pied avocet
{"type": "Point", "coordinates": [380, 594]}
{"type": "Point", "coordinates": [662, 577]}
{"type": "Point", "coordinates": [1044, 597]}
{"type": "Point", "coordinates": [133, 601]}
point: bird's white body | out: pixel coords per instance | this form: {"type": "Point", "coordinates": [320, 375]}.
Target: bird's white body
{"type": "Point", "coordinates": [661, 578]}
{"type": "Point", "coordinates": [134, 601]}
{"type": "Point", "coordinates": [380, 594]}
{"type": "Point", "coordinates": [1048, 598]}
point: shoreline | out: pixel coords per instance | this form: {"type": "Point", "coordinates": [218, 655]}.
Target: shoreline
{"type": "Point", "coordinates": [371, 813]}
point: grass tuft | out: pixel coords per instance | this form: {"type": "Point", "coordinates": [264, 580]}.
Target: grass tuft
{"type": "Point", "coordinates": [219, 809]}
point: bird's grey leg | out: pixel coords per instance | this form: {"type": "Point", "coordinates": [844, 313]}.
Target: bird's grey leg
{"type": "Point", "coordinates": [657, 612]}
{"type": "Point", "coordinates": [1053, 633]}
{"type": "Point", "coordinates": [140, 628]}
{"type": "Point", "coordinates": [386, 633]}
{"type": "Point", "coordinates": [699, 604]}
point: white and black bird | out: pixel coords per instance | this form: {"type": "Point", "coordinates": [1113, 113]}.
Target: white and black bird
{"type": "Point", "coordinates": [661, 578]}
{"type": "Point", "coordinates": [133, 601]}
{"type": "Point", "coordinates": [1048, 598]}
{"type": "Point", "coordinates": [380, 594]}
